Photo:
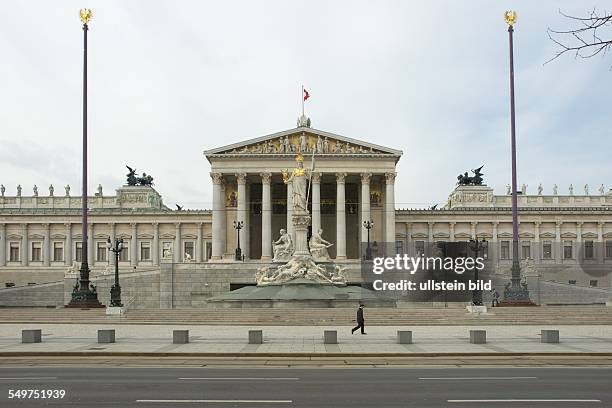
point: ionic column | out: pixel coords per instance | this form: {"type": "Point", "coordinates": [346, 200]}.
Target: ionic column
{"type": "Point", "coordinates": [68, 245]}
{"type": "Point", "coordinates": [316, 202]}
{"type": "Point", "coordinates": [290, 209]}
{"type": "Point", "coordinates": [155, 245]}
{"type": "Point", "coordinates": [601, 245]}
{"type": "Point", "coordinates": [177, 243]}
{"type": "Point", "coordinates": [198, 249]}
{"type": "Point", "coordinates": [340, 217]}
{"type": "Point", "coordinates": [494, 248]}
{"type": "Point", "coordinates": [242, 211]}
{"type": "Point", "coordinates": [266, 217]}
{"type": "Point", "coordinates": [134, 245]}
{"type": "Point", "coordinates": [217, 217]}
{"type": "Point", "coordinates": [451, 231]}
{"type": "Point", "coordinates": [112, 236]}
{"type": "Point", "coordinates": [24, 245]}
{"type": "Point", "coordinates": [390, 212]}
{"type": "Point", "coordinates": [47, 245]}
{"type": "Point", "coordinates": [365, 204]}
{"type": "Point", "coordinates": [559, 246]}
{"type": "Point", "coordinates": [430, 238]}
{"type": "Point", "coordinates": [535, 248]}
{"type": "Point", "coordinates": [578, 244]}
{"type": "Point", "coordinates": [473, 226]}
{"type": "Point", "coordinates": [2, 245]}
{"type": "Point", "coordinates": [91, 244]}
{"type": "Point", "coordinates": [223, 220]}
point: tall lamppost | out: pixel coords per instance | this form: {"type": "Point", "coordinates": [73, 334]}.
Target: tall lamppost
{"type": "Point", "coordinates": [115, 292]}
{"type": "Point", "coordinates": [515, 293]}
{"type": "Point", "coordinates": [238, 226]}
{"type": "Point", "coordinates": [476, 246]}
{"type": "Point", "coordinates": [368, 225]}
{"type": "Point", "coordinates": [82, 294]}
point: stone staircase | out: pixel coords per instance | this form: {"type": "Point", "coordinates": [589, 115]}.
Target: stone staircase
{"type": "Point", "coordinates": [546, 315]}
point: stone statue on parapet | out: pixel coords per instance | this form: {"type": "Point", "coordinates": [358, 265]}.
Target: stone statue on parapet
{"type": "Point", "coordinates": [318, 246]}
{"type": "Point", "coordinates": [540, 189]}
{"type": "Point", "coordinates": [601, 189]}
{"type": "Point", "coordinates": [475, 180]}
{"type": "Point", "coordinates": [3, 189]}
{"type": "Point", "coordinates": [132, 180]}
{"type": "Point", "coordinates": [283, 247]}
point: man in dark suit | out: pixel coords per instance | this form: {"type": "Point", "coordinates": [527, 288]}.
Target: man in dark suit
{"type": "Point", "coordinates": [360, 321]}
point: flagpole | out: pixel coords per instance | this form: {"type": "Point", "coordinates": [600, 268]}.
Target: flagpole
{"type": "Point", "coordinates": [302, 96]}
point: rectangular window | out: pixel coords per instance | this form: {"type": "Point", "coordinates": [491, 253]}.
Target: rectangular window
{"type": "Point", "coordinates": [525, 250]}
{"type": "Point", "coordinates": [166, 249]}
{"type": "Point", "coordinates": [124, 255]}
{"type": "Point", "coordinates": [593, 282]}
{"type": "Point", "coordinates": [101, 251]}
{"type": "Point", "coordinates": [572, 281]}
{"type": "Point", "coordinates": [567, 250]}
{"type": "Point", "coordinates": [399, 247]}
{"type": "Point", "coordinates": [58, 251]}
{"type": "Point", "coordinates": [547, 250]}
{"type": "Point", "coordinates": [589, 253]}
{"type": "Point", "coordinates": [208, 250]}
{"type": "Point", "coordinates": [145, 251]}
{"type": "Point", "coordinates": [189, 249]}
{"type": "Point", "coordinates": [505, 250]}
{"type": "Point", "coordinates": [609, 249]}
{"type": "Point", "coordinates": [36, 251]}
{"type": "Point", "coordinates": [78, 253]}
{"type": "Point", "coordinates": [14, 252]}
{"type": "Point", "coordinates": [419, 248]}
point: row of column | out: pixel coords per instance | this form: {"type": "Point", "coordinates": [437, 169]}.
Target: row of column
{"type": "Point", "coordinates": [219, 222]}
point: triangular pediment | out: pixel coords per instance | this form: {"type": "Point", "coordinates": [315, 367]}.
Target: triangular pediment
{"type": "Point", "coordinates": [303, 140]}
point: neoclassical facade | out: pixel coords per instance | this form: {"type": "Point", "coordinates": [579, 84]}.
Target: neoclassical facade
{"type": "Point", "coordinates": [568, 236]}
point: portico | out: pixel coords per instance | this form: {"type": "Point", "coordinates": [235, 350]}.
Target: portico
{"type": "Point", "coordinates": [352, 181]}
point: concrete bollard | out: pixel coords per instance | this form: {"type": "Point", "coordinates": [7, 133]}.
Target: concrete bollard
{"type": "Point", "coordinates": [330, 337]}
{"type": "Point", "coordinates": [549, 336]}
{"type": "Point", "coordinates": [180, 336]}
{"type": "Point", "coordinates": [404, 337]}
{"type": "Point", "coordinates": [478, 336]}
{"type": "Point", "coordinates": [106, 336]}
{"type": "Point", "coordinates": [31, 336]}
{"type": "Point", "coordinates": [255, 336]}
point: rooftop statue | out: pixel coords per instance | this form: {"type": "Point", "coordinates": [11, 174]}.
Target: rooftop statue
{"type": "Point", "coordinates": [475, 180]}
{"type": "Point", "coordinates": [132, 180]}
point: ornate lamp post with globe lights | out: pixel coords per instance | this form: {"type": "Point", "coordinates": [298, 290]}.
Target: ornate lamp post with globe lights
{"type": "Point", "coordinates": [238, 225]}
{"type": "Point", "coordinates": [115, 292]}
{"type": "Point", "coordinates": [477, 246]}
{"type": "Point", "coordinates": [84, 295]}
{"type": "Point", "coordinates": [368, 225]}
{"type": "Point", "coordinates": [515, 293]}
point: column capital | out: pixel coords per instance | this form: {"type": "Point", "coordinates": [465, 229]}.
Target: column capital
{"type": "Point", "coordinates": [365, 178]}
{"type": "Point", "coordinates": [390, 177]}
{"type": "Point", "coordinates": [495, 223]}
{"type": "Point", "coordinates": [2, 225]}
{"type": "Point", "coordinates": [177, 225]}
{"type": "Point", "coordinates": [266, 177]}
{"type": "Point", "coordinates": [474, 223]}
{"type": "Point", "coordinates": [133, 224]}
{"type": "Point", "coordinates": [45, 225]}
{"type": "Point", "coordinates": [537, 223]}
{"type": "Point", "coordinates": [155, 224]}
{"type": "Point", "coordinates": [340, 178]}
{"type": "Point", "coordinates": [559, 223]}
{"type": "Point", "coordinates": [316, 177]}
{"type": "Point", "coordinates": [217, 178]}
{"type": "Point", "coordinates": [241, 178]}
{"type": "Point", "coordinates": [452, 223]}
{"type": "Point", "coordinates": [579, 223]}
{"type": "Point", "coordinates": [67, 224]}
{"type": "Point", "coordinates": [601, 224]}
{"type": "Point", "coordinates": [431, 223]}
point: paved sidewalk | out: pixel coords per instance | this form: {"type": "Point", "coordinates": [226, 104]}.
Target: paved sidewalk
{"type": "Point", "coordinates": [62, 338]}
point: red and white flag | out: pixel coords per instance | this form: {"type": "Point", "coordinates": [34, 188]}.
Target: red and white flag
{"type": "Point", "coordinates": [306, 94]}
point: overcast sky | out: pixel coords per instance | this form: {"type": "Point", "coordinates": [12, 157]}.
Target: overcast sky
{"type": "Point", "coordinates": [169, 79]}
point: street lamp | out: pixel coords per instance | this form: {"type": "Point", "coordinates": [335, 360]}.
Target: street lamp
{"type": "Point", "coordinates": [476, 246]}
{"type": "Point", "coordinates": [83, 294]}
{"type": "Point", "coordinates": [238, 226]}
{"type": "Point", "coordinates": [515, 293]}
{"type": "Point", "coordinates": [115, 291]}
{"type": "Point", "coordinates": [368, 225]}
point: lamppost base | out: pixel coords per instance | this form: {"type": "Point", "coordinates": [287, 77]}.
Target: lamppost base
{"type": "Point", "coordinates": [238, 254]}
{"type": "Point", "coordinates": [84, 299]}
{"type": "Point", "coordinates": [516, 296]}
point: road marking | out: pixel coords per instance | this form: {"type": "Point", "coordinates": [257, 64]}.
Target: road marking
{"type": "Point", "coordinates": [478, 378]}
{"type": "Point", "coordinates": [241, 378]}
{"type": "Point", "coordinates": [28, 378]}
{"type": "Point", "coordinates": [218, 401]}
{"type": "Point", "coordinates": [524, 400]}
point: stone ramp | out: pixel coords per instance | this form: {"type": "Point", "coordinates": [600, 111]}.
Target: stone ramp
{"type": "Point", "coordinates": [546, 315]}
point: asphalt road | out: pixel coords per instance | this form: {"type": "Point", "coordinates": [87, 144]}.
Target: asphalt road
{"type": "Point", "coordinates": [310, 387]}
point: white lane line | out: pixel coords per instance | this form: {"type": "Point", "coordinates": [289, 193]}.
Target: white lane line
{"type": "Point", "coordinates": [218, 401]}
{"type": "Point", "coordinates": [28, 378]}
{"type": "Point", "coordinates": [241, 378]}
{"type": "Point", "coordinates": [523, 400]}
{"type": "Point", "coordinates": [478, 378]}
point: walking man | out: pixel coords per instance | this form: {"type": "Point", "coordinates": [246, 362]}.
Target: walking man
{"type": "Point", "coordinates": [360, 321]}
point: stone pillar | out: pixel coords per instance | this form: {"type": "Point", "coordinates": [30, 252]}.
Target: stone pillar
{"type": "Point", "coordinates": [112, 236]}
{"type": "Point", "coordinates": [224, 222]}
{"type": "Point", "coordinates": [47, 245]}
{"type": "Point", "coordinates": [68, 245]}
{"type": "Point", "coordinates": [365, 204]}
{"type": "Point", "coordinates": [24, 245]}
{"type": "Point", "coordinates": [198, 248]}
{"type": "Point", "coordinates": [241, 213]}
{"type": "Point", "coordinates": [290, 210]}
{"type": "Point", "coordinates": [559, 244]}
{"type": "Point", "coordinates": [409, 247]}
{"type": "Point", "coordinates": [473, 226]}
{"type": "Point", "coordinates": [91, 244]}
{"type": "Point", "coordinates": [536, 248]}
{"type": "Point", "coordinates": [177, 243]}
{"type": "Point", "coordinates": [578, 244]}
{"type": "Point", "coordinates": [155, 245]}
{"type": "Point", "coordinates": [340, 217]}
{"type": "Point", "coordinates": [266, 217]}
{"type": "Point", "coordinates": [451, 231]}
{"type": "Point", "coordinates": [217, 217]}
{"type": "Point", "coordinates": [316, 202]}
{"type": "Point", "coordinates": [3, 245]}
{"type": "Point", "coordinates": [134, 245]}
{"type": "Point", "coordinates": [390, 211]}
{"type": "Point", "coordinates": [430, 238]}
{"type": "Point", "coordinates": [494, 254]}
{"type": "Point", "coordinates": [601, 245]}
